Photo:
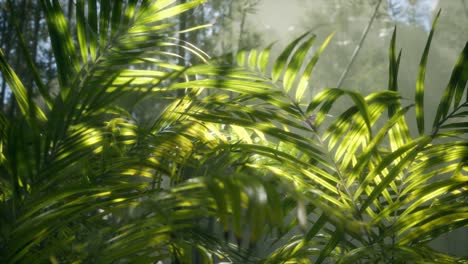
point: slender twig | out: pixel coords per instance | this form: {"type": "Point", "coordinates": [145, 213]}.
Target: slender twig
{"type": "Point", "coordinates": [241, 29]}
{"type": "Point", "coordinates": [359, 46]}
{"type": "Point", "coordinates": [465, 7]}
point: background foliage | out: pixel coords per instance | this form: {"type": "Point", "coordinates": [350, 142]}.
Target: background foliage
{"type": "Point", "coordinates": [232, 162]}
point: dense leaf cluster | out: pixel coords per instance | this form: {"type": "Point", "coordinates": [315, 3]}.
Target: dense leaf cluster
{"type": "Point", "coordinates": [235, 166]}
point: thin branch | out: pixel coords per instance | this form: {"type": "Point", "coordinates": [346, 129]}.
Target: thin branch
{"type": "Point", "coordinates": [241, 28]}
{"type": "Point", "coordinates": [465, 7]}
{"type": "Point", "coordinates": [359, 46]}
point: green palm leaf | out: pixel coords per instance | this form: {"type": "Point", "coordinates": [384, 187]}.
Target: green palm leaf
{"type": "Point", "coordinates": [454, 92]}
{"type": "Point", "coordinates": [28, 107]}
{"type": "Point", "coordinates": [419, 97]}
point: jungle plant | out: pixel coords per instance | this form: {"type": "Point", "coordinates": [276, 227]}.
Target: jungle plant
{"type": "Point", "coordinates": [234, 157]}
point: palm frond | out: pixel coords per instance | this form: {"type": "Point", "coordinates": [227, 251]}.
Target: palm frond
{"type": "Point", "coordinates": [215, 175]}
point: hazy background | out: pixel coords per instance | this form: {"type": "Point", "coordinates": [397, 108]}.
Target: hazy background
{"type": "Point", "coordinates": [282, 21]}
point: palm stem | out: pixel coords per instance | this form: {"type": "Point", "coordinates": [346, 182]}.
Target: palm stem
{"type": "Point", "coordinates": [332, 160]}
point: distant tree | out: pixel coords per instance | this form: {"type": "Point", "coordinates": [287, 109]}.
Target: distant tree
{"type": "Point", "coordinates": [24, 16]}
